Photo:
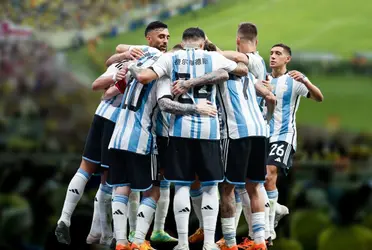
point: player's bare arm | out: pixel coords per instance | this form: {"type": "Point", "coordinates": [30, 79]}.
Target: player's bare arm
{"type": "Point", "coordinates": [173, 107]}
{"type": "Point", "coordinates": [144, 76]}
{"type": "Point", "coordinates": [235, 56]}
{"type": "Point", "coordinates": [314, 91]}
{"type": "Point", "coordinates": [214, 77]}
{"type": "Point", "coordinates": [269, 97]}
{"type": "Point", "coordinates": [132, 54]}
{"type": "Point", "coordinates": [240, 70]}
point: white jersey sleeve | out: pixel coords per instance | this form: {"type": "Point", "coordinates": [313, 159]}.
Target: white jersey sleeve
{"type": "Point", "coordinates": [163, 88]}
{"type": "Point", "coordinates": [221, 62]}
{"type": "Point", "coordinates": [300, 89]}
{"type": "Point", "coordinates": [163, 66]}
{"type": "Point", "coordinates": [256, 65]}
{"type": "Point", "coordinates": [111, 70]}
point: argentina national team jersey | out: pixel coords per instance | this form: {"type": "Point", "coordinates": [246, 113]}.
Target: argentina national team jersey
{"type": "Point", "coordinates": [240, 109]}
{"type": "Point", "coordinates": [288, 93]}
{"type": "Point", "coordinates": [189, 64]}
{"type": "Point", "coordinates": [133, 128]}
{"type": "Point", "coordinates": [109, 109]}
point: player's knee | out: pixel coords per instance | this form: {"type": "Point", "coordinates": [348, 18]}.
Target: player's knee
{"type": "Point", "coordinates": [154, 193]}
{"type": "Point", "coordinates": [88, 166]}
{"type": "Point", "coordinates": [125, 190]}
{"type": "Point", "coordinates": [272, 173]}
{"type": "Point", "coordinates": [253, 188]}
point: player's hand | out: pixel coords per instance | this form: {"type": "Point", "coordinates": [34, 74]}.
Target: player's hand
{"type": "Point", "coordinates": [206, 108]}
{"type": "Point", "coordinates": [271, 98]}
{"type": "Point", "coordinates": [120, 74]}
{"type": "Point", "coordinates": [267, 85]}
{"type": "Point", "coordinates": [297, 75]}
{"type": "Point", "coordinates": [136, 53]}
{"type": "Point", "coordinates": [180, 87]}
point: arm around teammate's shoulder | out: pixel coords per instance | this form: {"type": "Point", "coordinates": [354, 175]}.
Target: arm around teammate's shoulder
{"type": "Point", "coordinates": [240, 70]}
{"type": "Point", "coordinates": [235, 56]}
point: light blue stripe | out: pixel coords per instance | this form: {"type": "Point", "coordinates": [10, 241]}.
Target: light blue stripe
{"type": "Point", "coordinates": [197, 117]}
{"type": "Point", "coordinates": [120, 198]}
{"type": "Point", "coordinates": [213, 121]}
{"type": "Point", "coordinates": [237, 108]}
{"type": "Point", "coordinates": [108, 105]}
{"type": "Point", "coordinates": [83, 172]}
{"type": "Point", "coordinates": [149, 202]}
{"type": "Point", "coordinates": [117, 137]}
{"type": "Point", "coordinates": [164, 184]}
{"type": "Point", "coordinates": [272, 194]}
{"type": "Point", "coordinates": [274, 82]}
{"type": "Point", "coordinates": [210, 183]}
{"type": "Point", "coordinates": [286, 109]}
{"type": "Point", "coordinates": [240, 183]}
{"type": "Point", "coordinates": [92, 161]}
{"type": "Point", "coordinates": [106, 189]}
{"type": "Point", "coordinates": [177, 126]}
{"type": "Point", "coordinates": [192, 129]}
{"type": "Point", "coordinates": [136, 132]}
{"type": "Point", "coordinates": [229, 236]}
{"type": "Point", "coordinates": [258, 227]}
{"type": "Point", "coordinates": [237, 196]}
{"type": "Point", "coordinates": [196, 193]}
{"type": "Point", "coordinates": [102, 107]}
{"type": "Point", "coordinates": [126, 111]}
{"type": "Point", "coordinates": [256, 114]}
{"type": "Point", "coordinates": [180, 183]}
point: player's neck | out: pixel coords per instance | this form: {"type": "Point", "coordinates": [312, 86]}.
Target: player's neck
{"type": "Point", "coordinates": [247, 48]}
{"type": "Point", "coordinates": [191, 46]}
{"type": "Point", "coordinates": [278, 72]}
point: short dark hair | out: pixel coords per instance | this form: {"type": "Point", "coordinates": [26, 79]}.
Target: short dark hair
{"type": "Point", "coordinates": [210, 46]}
{"type": "Point", "coordinates": [247, 31]}
{"type": "Point", "coordinates": [285, 47]}
{"type": "Point", "coordinates": [155, 25]}
{"type": "Point", "coordinates": [193, 33]}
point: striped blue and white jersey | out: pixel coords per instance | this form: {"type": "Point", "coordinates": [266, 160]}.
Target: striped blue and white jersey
{"type": "Point", "coordinates": [288, 93]}
{"type": "Point", "coordinates": [109, 109]}
{"type": "Point", "coordinates": [189, 64]}
{"type": "Point", "coordinates": [161, 119]}
{"type": "Point", "coordinates": [133, 128]}
{"type": "Point", "coordinates": [240, 109]}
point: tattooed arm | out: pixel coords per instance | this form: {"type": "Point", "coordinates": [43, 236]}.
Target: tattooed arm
{"type": "Point", "coordinates": [215, 77]}
{"type": "Point", "coordinates": [240, 70]}
{"type": "Point", "coordinates": [173, 107]}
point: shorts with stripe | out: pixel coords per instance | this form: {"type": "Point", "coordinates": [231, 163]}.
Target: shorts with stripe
{"type": "Point", "coordinates": [97, 142]}
{"type": "Point", "coordinates": [131, 169]}
{"type": "Point", "coordinates": [245, 158]}
{"type": "Point", "coordinates": [190, 157]}
{"type": "Point", "coordinates": [281, 155]}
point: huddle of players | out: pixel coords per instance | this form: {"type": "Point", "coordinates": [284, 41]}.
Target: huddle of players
{"type": "Point", "coordinates": [173, 99]}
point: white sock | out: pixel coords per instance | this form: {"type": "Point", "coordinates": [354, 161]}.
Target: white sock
{"type": "Point", "coordinates": [239, 208]}
{"type": "Point", "coordinates": [162, 206]}
{"type": "Point", "coordinates": [104, 200]}
{"type": "Point", "coordinates": [145, 216]}
{"type": "Point", "coordinates": [119, 215]}
{"type": "Point", "coordinates": [258, 224]}
{"type": "Point", "coordinates": [246, 204]}
{"type": "Point", "coordinates": [134, 199]}
{"type": "Point", "coordinates": [273, 198]}
{"type": "Point", "coordinates": [229, 231]}
{"type": "Point", "coordinates": [95, 228]}
{"type": "Point", "coordinates": [196, 198]}
{"type": "Point", "coordinates": [181, 208]}
{"type": "Point", "coordinates": [210, 207]}
{"type": "Point", "coordinates": [75, 191]}
{"type": "Point", "coordinates": [267, 212]}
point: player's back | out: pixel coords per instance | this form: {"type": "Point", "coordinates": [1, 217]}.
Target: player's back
{"type": "Point", "coordinates": [189, 64]}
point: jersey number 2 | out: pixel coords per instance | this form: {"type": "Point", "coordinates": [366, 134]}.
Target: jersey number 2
{"type": "Point", "coordinates": [202, 92]}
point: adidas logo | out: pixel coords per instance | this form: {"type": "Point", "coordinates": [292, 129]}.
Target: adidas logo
{"type": "Point", "coordinates": [141, 215]}
{"type": "Point", "coordinates": [185, 210]}
{"type": "Point", "coordinates": [118, 212]}
{"type": "Point", "coordinates": [207, 208]}
{"type": "Point", "coordinates": [75, 191]}
{"type": "Point", "coordinates": [278, 159]}
{"type": "Point", "coordinates": [267, 205]}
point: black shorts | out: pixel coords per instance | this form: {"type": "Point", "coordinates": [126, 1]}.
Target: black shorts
{"type": "Point", "coordinates": [281, 155]}
{"type": "Point", "coordinates": [246, 159]}
{"type": "Point", "coordinates": [189, 157]}
{"type": "Point", "coordinates": [131, 169]}
{"type": "Point", "coordinates": [97, 142]}
{"type": "Point", "coordinates": [162, 144]}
